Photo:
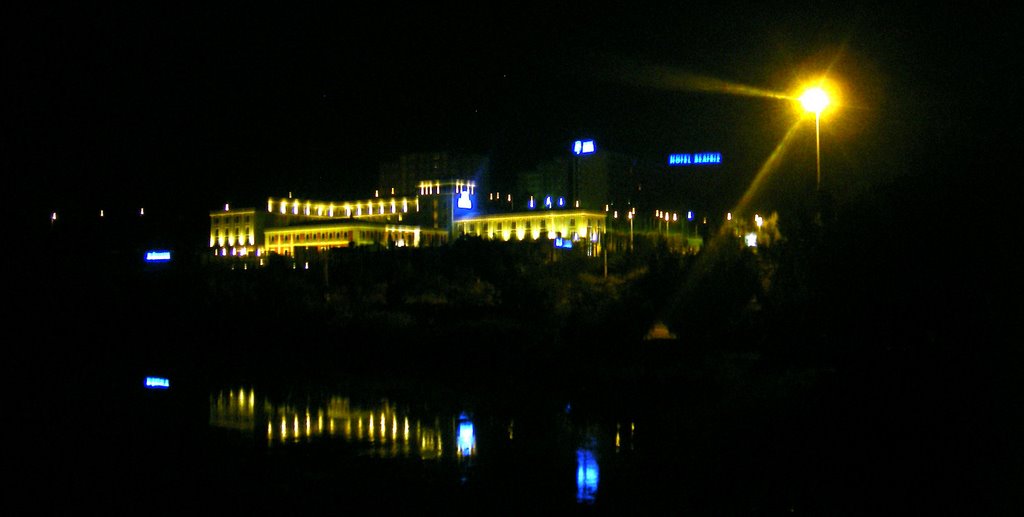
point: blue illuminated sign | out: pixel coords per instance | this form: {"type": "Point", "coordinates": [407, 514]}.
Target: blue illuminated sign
{"type": "Point", "coordinates": [464, 202]}
{"type": "Point", "coordinates": [694, 159]}
{"type": "Point", "coordinates": [158, 256]}
{"type": "Point", "coordinates": [157, 383]}
{"type": "Point", "coordinates": [583, 147]}
{"type": "Point", "coordinates": [563, 243]}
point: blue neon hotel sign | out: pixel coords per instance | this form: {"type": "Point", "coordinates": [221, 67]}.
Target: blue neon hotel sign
{"type": "Point", "coordinates": [583, 147]}
{"type": "Point", "coordinates": [694, 158]}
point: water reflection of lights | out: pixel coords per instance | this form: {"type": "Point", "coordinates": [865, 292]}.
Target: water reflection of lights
{"type": "Point", "coordinates": [384, 430]}
{"type": "Point", "coordinates": [587, 475]}
{"type": "Point", "coordinates": [466, 437]}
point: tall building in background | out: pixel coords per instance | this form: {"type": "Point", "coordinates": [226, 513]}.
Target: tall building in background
{"type": "Point", "coordinates": [403, 175]}
{"type": "Point", "coordinates": [595, 179]}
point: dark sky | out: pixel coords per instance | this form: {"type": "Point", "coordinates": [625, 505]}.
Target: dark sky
{"type": "Point", "coordinates": [167, 105]}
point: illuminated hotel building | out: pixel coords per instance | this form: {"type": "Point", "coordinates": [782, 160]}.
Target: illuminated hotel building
{"type": "Point", "coordinates": [439, 212]}
{"type": "Point", "coordinates": [575, 225]}
{"type": "Point", "coordinates": [285, 225]}
{"type": "Point", "coordinates": [588, 201]}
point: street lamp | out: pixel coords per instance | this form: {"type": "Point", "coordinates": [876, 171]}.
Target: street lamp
{"type": "Point", "coordinates": [815, 100]}
{"type": "Point", "coordinates": [630, 216]}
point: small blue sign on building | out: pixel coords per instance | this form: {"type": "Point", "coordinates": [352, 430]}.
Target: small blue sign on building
{"type": "Point", "coordinates": [158, 256]}
{"type": "Point", "coordinates": [157, 383]}
{"type": "Point", "coordinates": [583, 147]}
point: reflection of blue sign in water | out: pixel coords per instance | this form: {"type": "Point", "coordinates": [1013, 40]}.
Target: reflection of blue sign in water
{"type": "Point", "coordinates": [157, 383]}
{"type": "Point", "coordinates": [694, 159]}
{"type": "Point", "coordinates": [587, 474]}
{"type": "Point", "coordinates": [466, 438]}
{"type": "Point", "coordinates": [158, 256]}
{"type": "Point", "coordinates": [464, 201]}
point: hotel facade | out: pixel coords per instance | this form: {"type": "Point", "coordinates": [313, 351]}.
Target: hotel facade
{"type": "Point", "coordinates": [440, 212]}
{"type": "Point", "coordinates": [568, 202]}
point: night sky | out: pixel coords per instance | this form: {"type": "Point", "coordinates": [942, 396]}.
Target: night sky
{"type": "Point", "coordinates": [194, 107]}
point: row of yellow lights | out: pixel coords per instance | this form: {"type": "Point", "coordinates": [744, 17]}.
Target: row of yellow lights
{"type": "Point", "coordinates": [434, 187]}
{"type": "Point", "coordinates": [328, 210]}
{"type": "Point", "coordinates": [231, 241]}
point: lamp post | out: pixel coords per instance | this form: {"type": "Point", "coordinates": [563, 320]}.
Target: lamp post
{"type": "Point", "coordinates": [815, 100]}
{"type": "Point", "coordinates": [630, 215]}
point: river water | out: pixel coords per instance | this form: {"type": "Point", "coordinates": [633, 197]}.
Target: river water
{"type": "Point", "coordinates": [291, 448]}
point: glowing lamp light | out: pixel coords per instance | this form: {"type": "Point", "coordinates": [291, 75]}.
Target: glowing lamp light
{"type": "Point", "coordinates": [814, 100]}
{"type": "Point", "coordinates": [158, 256]}
{"type": "Point", "coordinates": [751, 239]}
{"type": "Point", "coordinates": [157, 383]}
